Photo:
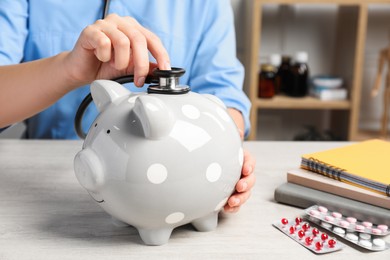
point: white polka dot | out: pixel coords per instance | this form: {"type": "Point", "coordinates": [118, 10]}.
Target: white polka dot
{"type": "Point", "coordinates": [190, 111]}
{"type": "Point", "coordinates": [223, 114]}
{"type": "Point", "coordinates": [221, 204]}
{"type": "Point", "coordinates": [174, 218]}
{"type": "Point", "coordinates": [213, 172]}
{"type": "Point", "coordinates": [241, 156]}
{"type": "Point", "coordinates": [157, 173]}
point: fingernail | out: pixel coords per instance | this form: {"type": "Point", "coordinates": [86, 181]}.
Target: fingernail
{"type": "Point", "coordinates": [167, 66]}
{"type": "Point", "coordinates": [141, 81]}
{"type": "Point", "coordinates": [236, 201]}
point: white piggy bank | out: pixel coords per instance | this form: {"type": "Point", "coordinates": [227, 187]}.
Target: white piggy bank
{"type": "Point", "coordinates": [159, 161]}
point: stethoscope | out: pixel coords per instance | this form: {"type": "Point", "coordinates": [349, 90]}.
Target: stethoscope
{"type": "Point", "coordinates": [105, 8]}
{"type": "Point", "coordinates": [164, 82]}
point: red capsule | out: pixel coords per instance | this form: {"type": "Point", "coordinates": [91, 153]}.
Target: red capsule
{"type": "Point", "coordinates": [324, 236]}
{"type": "Point", "coordinates": [305, 226]}
{"type": "Point", "coordinates": [301, 233]}
{"type": "Point", "coordinates": [331, 242]}
{"type": "Point", "coordinates": [284, 221]}
{"type": "Point", "coordinates": [309, 240]}
{"type": "Point", "coordinates": [315, 231]}
{"type": "Point", "coordinates": [319, 245]}
{"type": "Point", "coordinates": [292, 230]}
{"type": "Point", "coordinates": [298, 220]}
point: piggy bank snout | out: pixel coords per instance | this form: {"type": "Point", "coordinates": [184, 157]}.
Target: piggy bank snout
{"type": "Point", "coordinates": [88, 169]}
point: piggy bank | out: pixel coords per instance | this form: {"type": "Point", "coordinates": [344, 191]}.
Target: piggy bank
{"type": "Point", "coordinates": [161, 159]}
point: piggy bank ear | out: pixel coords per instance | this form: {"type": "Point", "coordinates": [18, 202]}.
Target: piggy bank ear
{"type": "Point", "coordinates": [105, 92]}
{"type": "Point", "coordinates": [155, 116]}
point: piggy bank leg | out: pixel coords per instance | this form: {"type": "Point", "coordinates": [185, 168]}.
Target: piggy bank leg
{"type": "Point", "coordinates": [155, 237]}
{"type": "Point", "coordinates": [206, 223]}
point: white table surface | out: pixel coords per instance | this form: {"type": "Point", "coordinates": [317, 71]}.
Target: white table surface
{"type": "Point", "coordinates": [46, 214]}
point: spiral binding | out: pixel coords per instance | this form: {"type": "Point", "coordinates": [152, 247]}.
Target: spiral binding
{"type": "Point", "coordinates": [341, 174]}
{"type": "Point", "coordinates": [323, 168]}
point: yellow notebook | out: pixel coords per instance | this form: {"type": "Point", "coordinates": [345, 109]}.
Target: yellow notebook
{"type": "Point", "coordinates": [365, 164]}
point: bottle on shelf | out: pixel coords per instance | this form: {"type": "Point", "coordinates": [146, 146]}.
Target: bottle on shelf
{"type": "Point", "coordinates": [299, 84]}
{"type": "Point", "coordinates": [276, 60]}
{"type": "Point", "coordinates": [267, 81]}
{"type": "Point", "coordinates": [284, 73]}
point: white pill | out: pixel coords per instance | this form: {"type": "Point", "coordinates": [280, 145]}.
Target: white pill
{"type": "Point", "coordinates": [326, 225]}
{"type": "Point", "coordinates": [352, 237]}
{"type": "Point", "coordinates": [340, 231]}
{"type": "Point", "coordinates": [379, 243]}
{"type": "Point", "coordinates": [365, 243]}
{"type": "Point", "coordinates": [364, 236]}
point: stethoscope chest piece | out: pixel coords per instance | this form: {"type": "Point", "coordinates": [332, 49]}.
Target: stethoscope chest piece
{"type": "Point", "coordinates": [168, 82]}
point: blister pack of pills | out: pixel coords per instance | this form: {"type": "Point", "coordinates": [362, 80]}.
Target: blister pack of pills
{"type": "Point", "coordinates": [352, 232]}
{"type": "Point", "coordinates": [309, 237]}
{"type": "Point", "coordinates": [349, 223]}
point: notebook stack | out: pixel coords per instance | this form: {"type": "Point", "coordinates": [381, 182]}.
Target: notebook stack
{"type": "Point", "coordinates": [355, 176]}
{"type": "Point", "coordinates": [365, 164]}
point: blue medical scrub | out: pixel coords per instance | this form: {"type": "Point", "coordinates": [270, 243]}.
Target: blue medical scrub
{"type": "Point", "coordinates": [198, 35]}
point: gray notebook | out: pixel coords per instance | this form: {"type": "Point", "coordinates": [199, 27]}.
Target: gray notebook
{"type": "Point", "coordinates": [303, 197]}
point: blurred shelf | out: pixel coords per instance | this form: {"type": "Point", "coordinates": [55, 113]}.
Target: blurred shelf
{"type": "Point", "coordinates": [363, 135]}
{"type": "Point", "coordinates": [350, 37]}
{"type": "Point", "coordinates": [307, 102]}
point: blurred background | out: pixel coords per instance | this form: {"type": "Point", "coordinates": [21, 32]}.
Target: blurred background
{"type": "Point", "coordinates": [340, 41]}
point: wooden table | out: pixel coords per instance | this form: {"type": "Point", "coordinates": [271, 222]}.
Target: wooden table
{"type": "Point", "coordinates": [46, 214]}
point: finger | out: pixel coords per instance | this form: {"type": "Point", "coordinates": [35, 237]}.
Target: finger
{"type": "Point", "coordinates": [157, 49]}
{"type": "Point", "coordinates": [238, 199]}
{"type": "Point", "coordinates": [140, 57]}
{"type": "Point", "coordinates": [249, 163]}
{"type": "Point", "coordinates": [152, 66]}
{"type": "Point", "coordinates": [229, 209]}
{"type": "Point", "coordinates": [120, 43]}
{"type": "Point", "coordinates": [92, 38]}
{"type": "Point", "coordinates": [246, 183]}
{"type": "Point", "coordinates": [154, 44]}
{"type": "Point", "coordinates": [241, 132]}
{"type": "Point", "coordinates": [139, 48]}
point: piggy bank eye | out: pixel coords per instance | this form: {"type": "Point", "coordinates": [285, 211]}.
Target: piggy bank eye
{"type": "Point", "coordinates": [108, 131]}
{"type": "Point", "coordinates": [96, 125]}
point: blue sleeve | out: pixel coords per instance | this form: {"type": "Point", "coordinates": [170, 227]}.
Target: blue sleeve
{"type": "Point", "coordinates": [216, 69]}
{"type": "Point", "coordinates": [13, 26]}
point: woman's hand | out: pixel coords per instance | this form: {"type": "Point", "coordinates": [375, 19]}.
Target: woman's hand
{"type": "Point", "coordinates": [244, 185]}
{"type": "Point", "coordinates": [114, 47]}
{"type": "Point", "coordinates": [248, 178]}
